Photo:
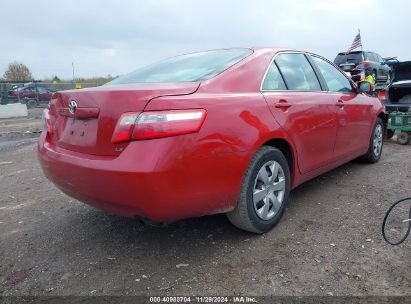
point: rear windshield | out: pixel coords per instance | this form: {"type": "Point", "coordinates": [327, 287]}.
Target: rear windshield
{"type": "Point", "coordinates": [186, 68]}
{"type": "Point", "coordinates": [348, 58]}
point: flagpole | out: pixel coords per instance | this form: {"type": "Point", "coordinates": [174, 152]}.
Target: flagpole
{"type": "Point", "coordinates": [360, 38]}
{"type": "Point", "coordinates": [362, 55]}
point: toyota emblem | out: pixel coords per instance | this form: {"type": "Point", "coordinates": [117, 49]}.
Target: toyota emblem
{"type": "Point", "coordinates": [72, 107]}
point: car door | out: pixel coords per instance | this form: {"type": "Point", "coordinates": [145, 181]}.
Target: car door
{"type": "Point", "coordinates": [27, 93]}
{"type": "Point", "coordinates": [43, 94]}
{"type": "Point", "coordinates": [353, 110]}
{"type": "Point", "coordinates": [33, 93]}
{"type": "Point", "coordinates": [308, 115]}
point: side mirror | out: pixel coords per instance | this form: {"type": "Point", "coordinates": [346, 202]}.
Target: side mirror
{"type": "Point", "coordinates": [364, 87]}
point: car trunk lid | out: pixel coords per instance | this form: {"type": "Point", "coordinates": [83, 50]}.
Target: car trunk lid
{"type": "Point", "coordinates": [84, 120]}
{"type": "Point", "coordinates": [399, 91]}
{"type": "Point", "coordinates": [401, 72]}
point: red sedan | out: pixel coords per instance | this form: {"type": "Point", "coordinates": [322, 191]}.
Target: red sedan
{"type": "Point", "coordinates": [225, 131]}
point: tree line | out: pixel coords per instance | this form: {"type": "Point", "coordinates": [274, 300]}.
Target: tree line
{"type": "Point", "coordinates": [18, 71]}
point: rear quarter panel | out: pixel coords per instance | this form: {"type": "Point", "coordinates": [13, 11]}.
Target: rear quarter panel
{"type": "Point", "coordinates": [238, 123]}
{"type": "Point", "coordinates": [213, 162]}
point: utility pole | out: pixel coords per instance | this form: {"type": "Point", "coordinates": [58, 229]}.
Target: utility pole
{"type": "Point", "coordinates": [72, 65]}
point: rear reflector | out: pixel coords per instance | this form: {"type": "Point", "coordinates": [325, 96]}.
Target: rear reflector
{"type": "Point", "coordinates": [158, 124]}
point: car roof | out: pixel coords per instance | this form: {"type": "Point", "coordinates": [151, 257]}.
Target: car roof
{"type": "Point", "coordinates": [257, 49]}
{"type": "Point", "coordinates": [357, 52]}
{"type": "Point", "coordinates": [276, 49]}
{"type": "Point", "coordinates": [282, 49]}
{"type": "Point", "coordinates": [353, 52]}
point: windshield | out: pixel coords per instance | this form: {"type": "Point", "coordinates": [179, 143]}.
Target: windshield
{"type": "Point", "coordinates": [186, 68]}
{"type": "Point", "coordinates": [348, 58]}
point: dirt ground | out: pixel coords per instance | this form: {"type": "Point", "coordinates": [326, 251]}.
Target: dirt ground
{"type": "Point", "coordinates": [328, 243]}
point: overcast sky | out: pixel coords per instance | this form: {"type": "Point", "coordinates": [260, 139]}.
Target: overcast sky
{"type": "Point", "coordinates": [115, 37]}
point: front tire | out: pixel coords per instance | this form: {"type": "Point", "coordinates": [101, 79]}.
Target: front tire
{"type": "Point", "coordinates": [31, 103]}
{"type": "Point", "coordinates": [404, 138]}
{"type": "Point", "coordinates": [264, 192]}
{"type": "Point", "coordinates": [376, 143]}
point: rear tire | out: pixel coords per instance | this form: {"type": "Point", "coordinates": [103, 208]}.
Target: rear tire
{"type": "Point", "coordinates": [404, 138]}
{"type": "Point", "coordinates": [264, 192]}
{"type": "Point", "coordinates": [31, 103]}
{"type": "Point", "coordinates": [376, 143]}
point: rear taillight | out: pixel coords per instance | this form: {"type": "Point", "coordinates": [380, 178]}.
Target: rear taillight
{"type": "Point", "coordinates": [55, 95]}
{"type": "Point", "coordinates": [124, 127]}
{"type": "Point", "coordinates": [382, 95]}
{"type": "Point", "coordinates": [45, 117]}
{"type": "Point", "coordinates": [157, 124]}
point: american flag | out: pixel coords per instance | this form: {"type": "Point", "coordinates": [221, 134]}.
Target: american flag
{"type": "Point", "coordinates": [356, 43]}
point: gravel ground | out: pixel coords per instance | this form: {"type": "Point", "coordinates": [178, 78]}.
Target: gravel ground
{"type": "Point", "coordinates": [328, 243]}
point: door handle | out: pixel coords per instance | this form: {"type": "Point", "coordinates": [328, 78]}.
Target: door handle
{"type": "Point", "coordinates": [340, 103]}
{"type": "Point", "coordinates": [282, 103]}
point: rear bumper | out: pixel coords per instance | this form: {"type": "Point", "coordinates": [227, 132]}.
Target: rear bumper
{"type": "Point", "coordinates": [165, 184]}
{"type": "Point", "coordinates": [397, 107]}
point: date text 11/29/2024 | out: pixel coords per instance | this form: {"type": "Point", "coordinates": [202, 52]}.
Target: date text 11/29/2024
{"type": "Point", "coordinates": [236, 299]}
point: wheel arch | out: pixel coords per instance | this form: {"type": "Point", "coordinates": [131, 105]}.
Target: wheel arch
{"type": "Point", "coordinates": [384, 117]}
{"type": "Point", "coordinates": [285, 147]}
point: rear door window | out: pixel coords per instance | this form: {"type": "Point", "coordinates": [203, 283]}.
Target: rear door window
{"type": "Point", "coordinates": [335, 80]}
{"type": "Point", "coordinates": [297, 72]}
{"type": "Point", "coordinates": [273, 79]}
